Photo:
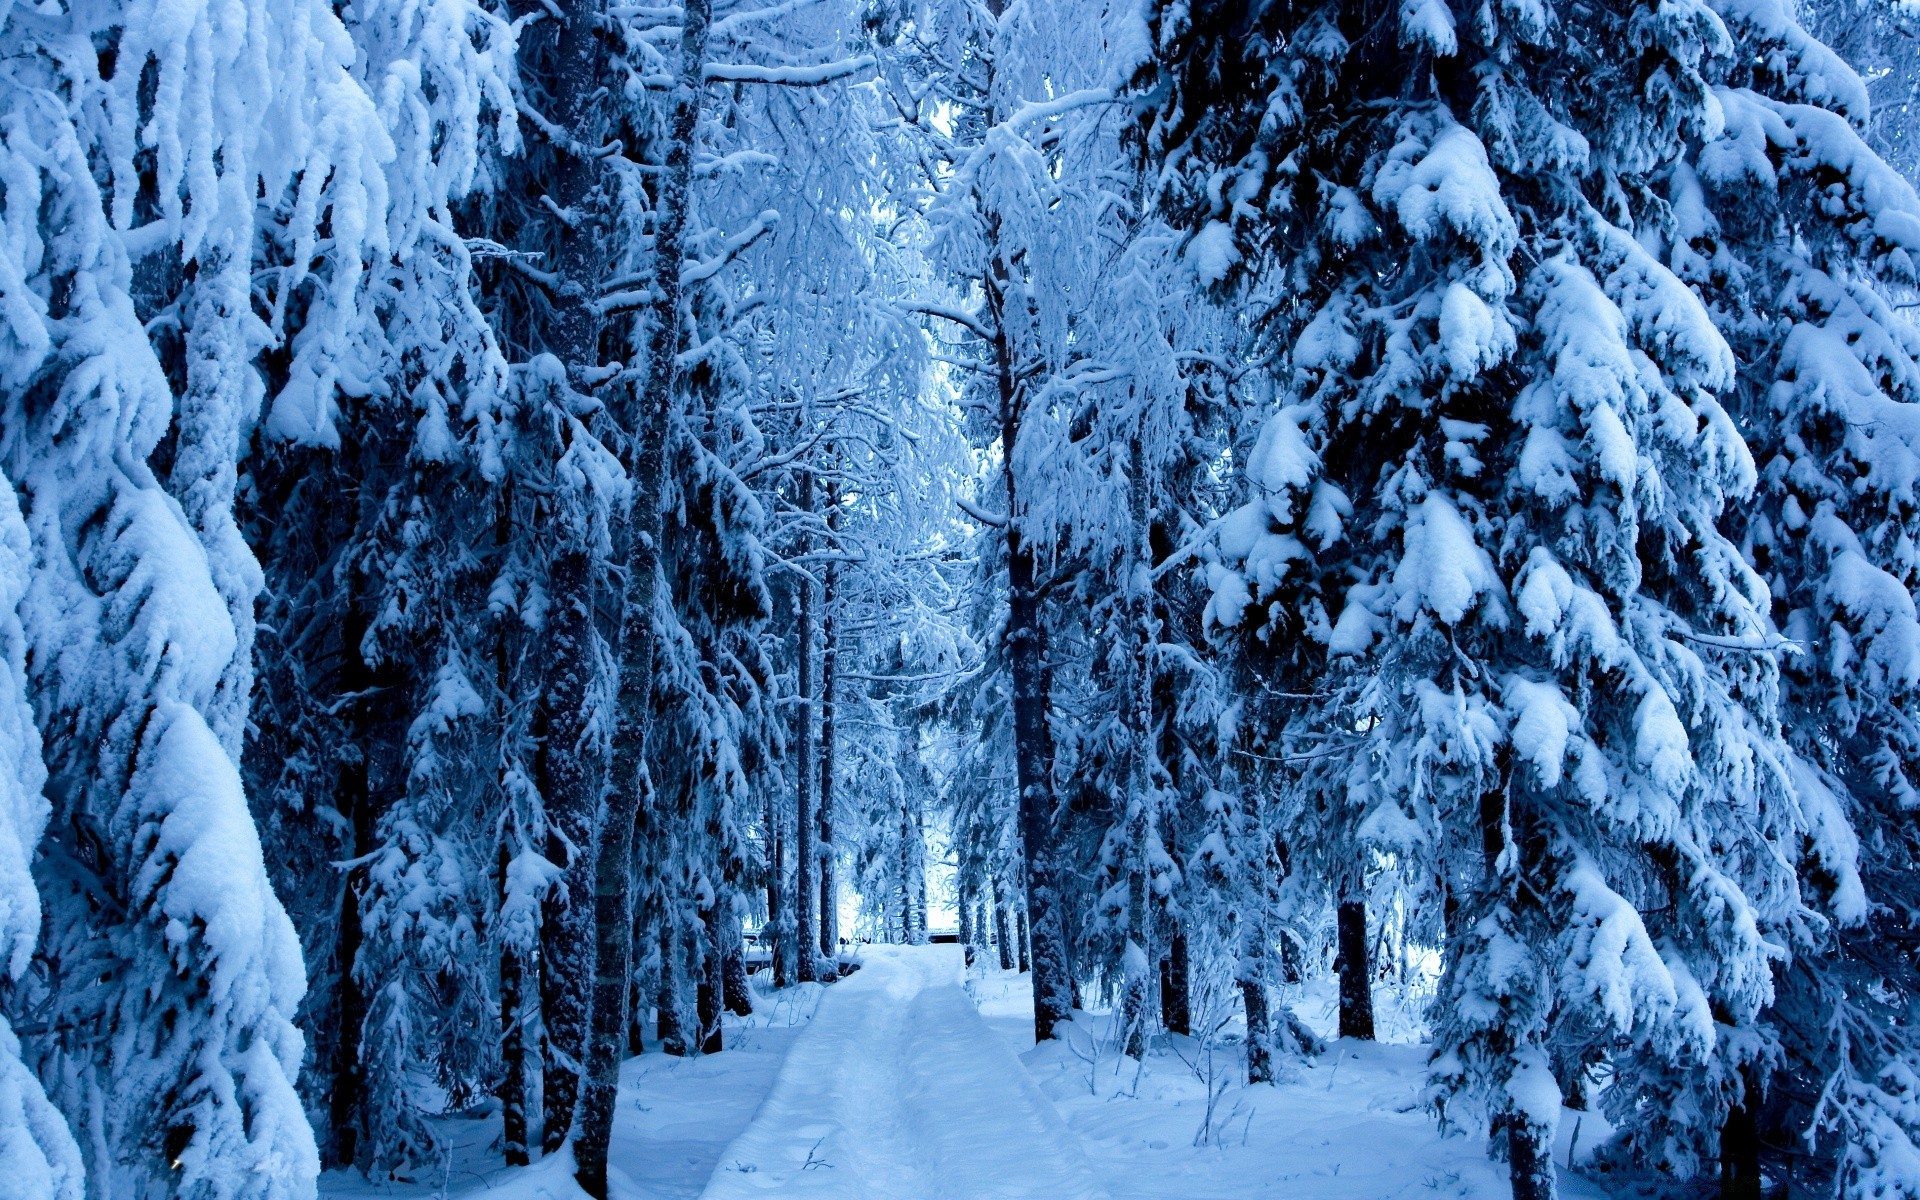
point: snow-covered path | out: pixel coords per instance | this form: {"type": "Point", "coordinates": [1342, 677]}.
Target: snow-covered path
{"type": "Point", "coordinates": [898, 1090]}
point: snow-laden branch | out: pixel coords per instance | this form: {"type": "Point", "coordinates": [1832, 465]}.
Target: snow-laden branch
{"type": "Point", "coordinates": [727, 26]}
{"type": "Point", "coordinates": [708, 268]}
{"type": "Point", "coordinates": [1046, 110]}
{"type": "Point", "coordinates": [1776, 645]}
{"type": "Point", "coordinates": [946, 312]}
{"type": "Point", "coordinates": [787, 76]}
{"type": "Point", "coordinates": [982, 515]}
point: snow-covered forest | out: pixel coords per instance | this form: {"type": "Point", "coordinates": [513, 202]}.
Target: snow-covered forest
{"type": "Point", "coordinates": [1358, 556]}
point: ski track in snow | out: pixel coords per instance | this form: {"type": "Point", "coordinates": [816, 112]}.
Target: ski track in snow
{"type": "Point", "coordinates": [899, 1089]}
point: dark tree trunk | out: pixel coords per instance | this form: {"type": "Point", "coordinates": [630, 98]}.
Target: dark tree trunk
{"type": "Point", "coordinates": [1290, 969]}
{"type": "Point", "coordinates": [1176, 1009]}
{"type": "Point", "coordinates": [354, 799]}
{"type": "Point", "coordinates": [774, 935]}
{"type": "Point", "coordinates": [647, 428]}
{"type": "Point", "coordinates": [713, 984]}
{"type": "Point", "coordinates": [1740, 1153]}
{"type": "Point", "coordinates": [1253, 997]}
{"type": "Point", "coordinates": [1356, 978]}
{"type": "Point", "coordinates": [1021, 941]}
{"type": "Point", "coordinates": [1002, 935]}
{"type": "Point", "coordinates": [568, 765]}
{"type": "Point", "coordinates": [806, 885]}
{"type": "Point", "coordinates": [738, 995]}
{"type": "Point", "coordinates": [968, 930]}
{"type": "Point", "coordinates": [829, 668]}
{"type": "Point", "coordinates": [515, 1078]}
{"type": "Point", "coordinates": [667, 1002]}
{"type": "Point", "coordinates": [1026, 643]}
{"type": "Point", "coordinates": [1529, 1160]}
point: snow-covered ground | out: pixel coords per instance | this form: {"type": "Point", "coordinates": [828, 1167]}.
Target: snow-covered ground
{"type": "Point", "coordinates": [916, 1079]}
{"type": "Point", "coordinates": [676, 1118]}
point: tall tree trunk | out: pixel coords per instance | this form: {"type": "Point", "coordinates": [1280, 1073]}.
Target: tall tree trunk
{"type": "Point", "coordinates": [738, 994]}
{"type": "Point", "coordinates": [1021, 940]}
{"type": "Point", "coordinates": [646, 464]}
{"type": "Point", "coordinates": [1253, 997]}
{"type": "Point", "coordinates": [774, 934]}
{"type": "Point", "coordinates": [568, 765]}
{"type": "Point", "coordinates": [1025, 637]}
{"type": "Point", "coordinates": [1529, 1142]}
{"type": "Point", "coordinates": [713, 984]}
{"type": "Point", "coordinates": [806, 886]}
{"type": "Point", "coordinates": [515, 1081]}
{"type": "Point", "coordinates": [1530, 1159]}
{"type": "Point", "coordinates": [1002, 933]}
{"type": "Point", "coordinates": [518, 1080]}
{"type": "Point", "coordinates": [1356, 977]}
{"type": "Point", "coordinates": [1176, 1005]}
{"type": "Point", "coordinates": [1740, 1151]}
{"type": "Point", "coordinates": [667, 1001]}
{"type": "Point", "coordinates": [829, 667]}
{"type": "Point", "coordinates": [353, 797]}
{"type": "Point", "coordinates": [969, 930]}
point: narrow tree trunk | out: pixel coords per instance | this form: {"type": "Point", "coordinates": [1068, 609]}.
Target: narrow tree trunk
{"type": "Point", "coordinates": [712, 982]}
{"type": "Point", "coordinates": [774, 935]}
{"type": "Point", "coordinates": [646, 471]}
{"type": "Point", "coordinates": [806, 885]}
{"type": "Point", "coordinates": [1740, 1153]}
{"type": "Point", "coordinates": [1176, 1006]}
{"type": "Point", "coordinates": [969, 934]}
{"type": "Point", "coordinates": [738, 994]}
{"type": "Point", "coordinates": [1026, 648]}
{"type": "Point", "coordinates": [1356, 980]}
{"type": "Point", "coordinates": [829, 670]}
{"type": "Point", "coordinates": [568, 767]}
{"type": "Point", "coordinates": [667, 1001]}
{"type": "Point", "coordinates": [1020, 940]}
{"type": "Point", "coordinates": [517, 1085]}
{"type": "Point", "coordinates": [353, 797]}
{"type": "Point", "coordinates": [1002, 934]}
{"type": "Point", "coordinates": [1253, 997]}
{"type": "Point", "coordinates": [514, 1076]}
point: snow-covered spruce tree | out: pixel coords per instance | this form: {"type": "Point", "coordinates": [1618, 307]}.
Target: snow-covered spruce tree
{"type": "Point", "coordinates": [151, 151]}
{"type": "Point", "coordinates": [374, 493]}
{"type": "Point", "coordinates": [42, 1160]}
{"type": "Point", "coordinates": [1804, 242]}
{"type": "Point", "coordinates": [1488, 503]}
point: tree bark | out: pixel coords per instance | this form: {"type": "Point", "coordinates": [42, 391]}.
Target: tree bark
{"type": "Point", "coordinates": [1026, 650]}
{"type": "Point", "coordinates": [1002, 933]}
{"type": "Point", "coordinates": [829, 667]}
{"type": "Point", "coordinates": [1740, 1152]}
{"type": "Point", "coordinates": [515, 1081]}
{"type": "Point", "coordinates": [568, 767]}
{"type": "Point", "coordinates": [1176, 1005]}
{"type": "Point", "coordinates": [774, 934]}
{"type": "Point", "coordinates": [1021, 941]}
{"type": "Point", "coordinates": [667, 1000]}
{"type": "Point", "coordinates": [739, 995]}
{"type": "Point", "coordinates": [354, 799]}
{"type": "Point", "coordinates": [1356, 979]}
{"type": "Point", "coordinates": [1530, 1159]}
{"type": "Point", "coordinates": [713, 984]}
{"type": "Point", "coordinates": [646, 470]}
{"type": "Point", "coordinates": [806, 885]}
{"type": "Point", "coordinates": [1253, 997]}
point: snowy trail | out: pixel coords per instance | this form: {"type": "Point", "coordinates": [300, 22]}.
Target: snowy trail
{"type": "Point", "coordinates": [899, 1091]}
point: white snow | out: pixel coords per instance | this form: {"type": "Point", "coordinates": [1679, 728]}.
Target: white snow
{"type": "Point", "coordinates": [918, 1079]}
{"type": "Point", "coordinates": [898, 1089]}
